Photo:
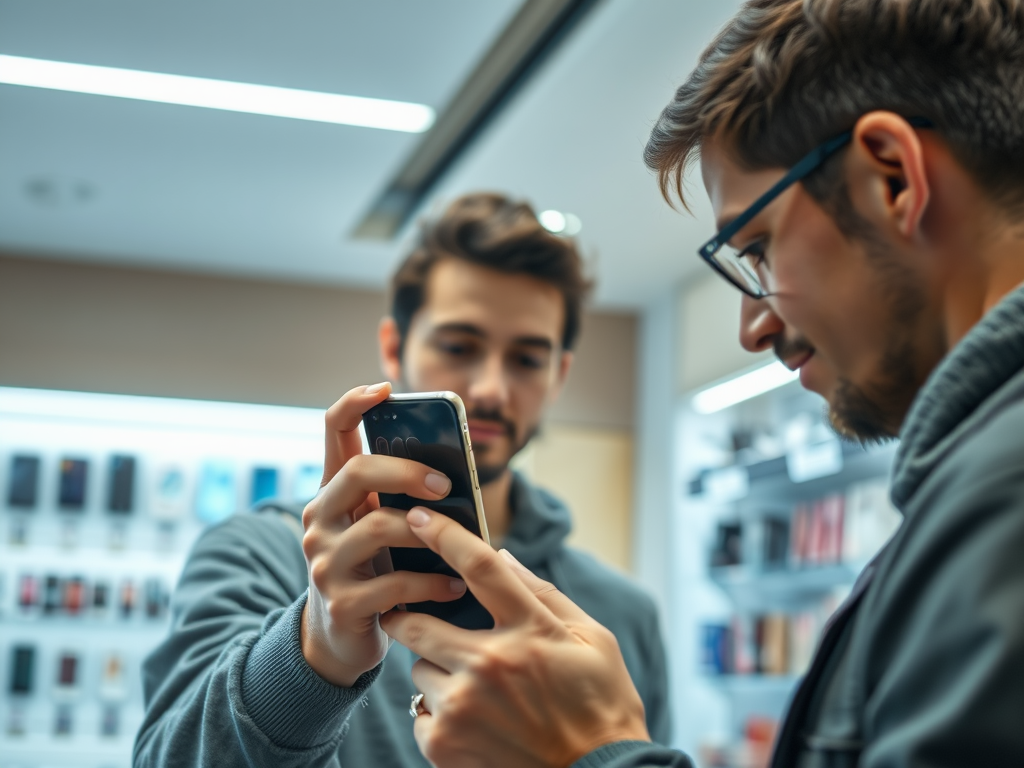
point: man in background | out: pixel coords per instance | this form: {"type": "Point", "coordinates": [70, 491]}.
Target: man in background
{"type": "Point", "coordinates": [276, 655]}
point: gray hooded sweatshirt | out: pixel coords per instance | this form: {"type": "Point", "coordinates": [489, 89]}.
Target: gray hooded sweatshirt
{"type": "Point", "coordinates": [230, 687]}
{"type": "Point", "coordinates": [923, 665]}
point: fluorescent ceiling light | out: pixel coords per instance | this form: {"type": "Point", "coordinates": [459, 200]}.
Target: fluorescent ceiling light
{"type": "Point", "coordinates": [559, 223]}
{"type": "Point", "coordinates": [217, 94]}
{"type": "Point", "coordinates": [161, 412]}
{"type": "Point", "coordinates": [743, 387]}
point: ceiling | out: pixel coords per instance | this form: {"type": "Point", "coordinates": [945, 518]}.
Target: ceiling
{"type": "Point", "coordinates": [127, 182]}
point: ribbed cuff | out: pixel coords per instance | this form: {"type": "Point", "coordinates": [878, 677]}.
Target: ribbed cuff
{"type": "Point", "coordinates": [289, 702]}
{"type": "Point", "coordinates": [604, 756]}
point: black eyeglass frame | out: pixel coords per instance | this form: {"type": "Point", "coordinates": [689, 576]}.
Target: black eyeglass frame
{"type": "Point", "coordinates": [803, 168]}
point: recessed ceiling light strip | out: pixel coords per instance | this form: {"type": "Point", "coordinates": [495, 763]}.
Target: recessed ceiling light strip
{"type": "Point", "coordinates": [216, 94]}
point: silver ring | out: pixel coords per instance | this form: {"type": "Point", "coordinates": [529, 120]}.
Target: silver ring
{"type": "Point", "coordinates": [416, 708]}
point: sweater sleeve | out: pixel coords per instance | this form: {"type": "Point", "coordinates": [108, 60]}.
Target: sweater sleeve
{"type": "Point", "coordinates": [633, 754]}
{"type": "Point", "coordinates": [229, 686]}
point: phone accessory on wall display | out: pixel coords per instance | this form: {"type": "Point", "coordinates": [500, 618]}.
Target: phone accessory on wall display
{"type": "Point", "coordinates": [53, 595]}
{"type": "Point", "coordinates": [306, 484]}
{"type": "Point", "coordinates": [100, 598]}
{"type": "Point", "coordinates": [74, 474]}
{"type": "Point", "coordinates": [28, 591]}
{"type": "Point", "coordinates": [264, 484]}
{"type": "Point", "coordinates": [112, 680]}
{"type": "Point", "coordinates": [23, 491]}
{"type": "Point", "coordinates": [110, 724]}
{"type": "Point", "coordinates": [168, 498]}
{"type": "Point", "coordinates": [68, 669]}
{"type": "Point", "coordinates": [156, 598]}
{"type": "Point", "coordinates": [23, 665]}
{"type": "Point", "coordinates": [127, 601]}
{"type": "Point", "coordinates": [121, 499]}
{"type": "Point", "coordinates": [217, 498]}
{"type": "Point", "coordinates": [16, 721]}
{"type": "Point", "coordinates": [74, 595]}
{"type": "Point", "coordinates": [63, 724]}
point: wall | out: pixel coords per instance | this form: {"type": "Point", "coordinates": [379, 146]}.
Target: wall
{"type": "Point", "coordinates": [111, 329]}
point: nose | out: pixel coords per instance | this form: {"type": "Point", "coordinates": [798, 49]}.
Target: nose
{"type": "Point", "coordinates": [759, 325]}
{"type": "Point", "coordinates": [489, 388]}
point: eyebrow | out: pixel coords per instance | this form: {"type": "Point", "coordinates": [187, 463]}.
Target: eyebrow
{"type": "Point", "coordinates": [472, 330]}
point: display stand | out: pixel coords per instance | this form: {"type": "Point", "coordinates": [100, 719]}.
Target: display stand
{"type": "Point", "coordinates": [101, 498]}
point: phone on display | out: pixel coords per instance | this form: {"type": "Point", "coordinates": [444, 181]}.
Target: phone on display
{"type": "Point", "coordinates": [24, 488]}
{"type": "Point", "coordinates": [73, 474]}
{"type": "Point", "coordinates": [122, 484]}
{"type": "Point", "coordinates": [23, 660]}
{"type": "Point", "coordinates": [431, 428]}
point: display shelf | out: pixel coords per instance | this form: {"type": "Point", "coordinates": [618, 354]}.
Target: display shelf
{"type": "Point", "coordinates": [755, 685]}
{"type": "Point", "coordinates": [747, 586]}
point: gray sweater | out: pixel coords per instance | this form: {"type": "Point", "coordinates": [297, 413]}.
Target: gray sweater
{"type": "Point", "coordinates": [923, 666]}
{"type": "Point", "coordinates": [230, 687]}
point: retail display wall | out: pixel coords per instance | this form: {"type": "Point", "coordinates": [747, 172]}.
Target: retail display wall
{"type": "Point", "coordinates": [775, 518]}
{"type": "Point", "coordinates": [102, 498]}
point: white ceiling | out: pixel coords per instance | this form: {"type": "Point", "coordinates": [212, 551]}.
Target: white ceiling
{"type": "Point", "coordinates": [129, 182]}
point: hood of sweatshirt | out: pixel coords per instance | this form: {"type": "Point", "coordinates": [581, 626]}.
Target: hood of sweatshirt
{"type": "Point", "coordinates": [959, 394]}
{"type": "Point", "coordinates": [540, 524]}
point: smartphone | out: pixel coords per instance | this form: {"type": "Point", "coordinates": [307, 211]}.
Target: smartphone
{"type": "Point", "coordinates": [23, 660]}
{"type": "Point", "coordinates": [431, 428]}
{"type": "Point", "coordinates": [24, 489]}
{"type": "Point", "coordinates": [122, 484]}
{"type": "Point", "coordinates": [73, 475]}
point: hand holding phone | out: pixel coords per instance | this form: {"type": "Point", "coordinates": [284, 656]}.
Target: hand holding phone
{"type": "Point", "coordinates": [431, 428]}
{"type": "Point", "coordinates": [346, 541]}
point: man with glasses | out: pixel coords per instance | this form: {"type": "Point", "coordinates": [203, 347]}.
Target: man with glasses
{"type": "Point", "coordinates": [865, 162]}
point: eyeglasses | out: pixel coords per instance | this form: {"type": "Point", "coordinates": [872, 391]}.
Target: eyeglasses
{"type": "Point", "coordinates": [746, 267]}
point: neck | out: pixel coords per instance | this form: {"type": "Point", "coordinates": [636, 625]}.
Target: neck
{"type": "Point", "coordinates": [983, 282]}
{"type": "Point", "coordinates": [497, 507]}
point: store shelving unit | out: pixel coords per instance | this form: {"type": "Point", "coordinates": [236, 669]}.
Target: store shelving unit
{"type": "Point", "coordinates": [737, 608]}
{"type": "Point", "coordinates": [78, 701]}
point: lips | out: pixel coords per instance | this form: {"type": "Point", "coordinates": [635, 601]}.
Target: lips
{"type": "Point", "coordinates": [486, 431]}
{"type": "Point", "coordinates": [796, 362]}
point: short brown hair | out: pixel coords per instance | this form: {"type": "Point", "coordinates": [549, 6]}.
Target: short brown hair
{"type": "Point", "coordinates": [785, 75]}
{"type": "Point", "coordinates": [496, 232]}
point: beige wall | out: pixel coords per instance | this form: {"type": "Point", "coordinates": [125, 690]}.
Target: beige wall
{"type": "Point", "coordinates": [113, 329]}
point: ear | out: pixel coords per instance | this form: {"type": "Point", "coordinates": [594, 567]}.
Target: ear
{"type": "Point", "coordinates": [889, 172]}
{"type": "Point", "coordinates": [390, 340]}
{"type": "Point", "coordinates": [564, 364]}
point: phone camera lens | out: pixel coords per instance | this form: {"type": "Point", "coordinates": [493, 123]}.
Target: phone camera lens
{"type": "Point", "coordinates": [394, 416]}
{"type": "Point", "coordinates": [375, 417]}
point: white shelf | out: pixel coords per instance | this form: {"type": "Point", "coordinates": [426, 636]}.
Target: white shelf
{"type": "Point", "coordinates": [749, 588]}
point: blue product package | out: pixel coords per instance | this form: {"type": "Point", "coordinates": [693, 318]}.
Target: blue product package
{"type": "Point", "coordinates": [264, 484]}
{"type": "Point", "coordinates": [307, 483]}
{"type": "Point", "coordinates": [217, 498]}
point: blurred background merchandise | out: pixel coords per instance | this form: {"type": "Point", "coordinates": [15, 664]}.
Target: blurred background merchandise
{"type": "Point", "coordinates": [184, 289]}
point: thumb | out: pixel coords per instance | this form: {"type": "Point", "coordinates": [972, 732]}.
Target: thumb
{"type": "Point", "coordinates": [556, 602]}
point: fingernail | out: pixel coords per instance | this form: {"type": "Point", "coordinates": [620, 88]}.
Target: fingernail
{"type": "Point", "coordinates": [438, 484]}
{"type": "Point", "coordinates": [511, 560]}
{"type": "Point", "coordinates": [457, 586]}
{"type": "Point", "coordinates": [374, 388]}
{"type": "Point", "coordinates": [418, 517]}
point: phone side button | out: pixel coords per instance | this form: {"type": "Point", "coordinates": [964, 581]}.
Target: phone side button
{"type": "Point", "coordinates": [476, 480]}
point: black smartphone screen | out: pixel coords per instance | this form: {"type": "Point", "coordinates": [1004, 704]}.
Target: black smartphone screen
{"type": "Point", "coordinates": [429, 431]}
{"type": "Point", "coordinates": [122, 484]}
{"type": "Point", "coordinates": [23, 491]}
{"type": "Point", "coordinates": [23, 659]}
{"type": "Point", "coordinates": [73, 473]}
